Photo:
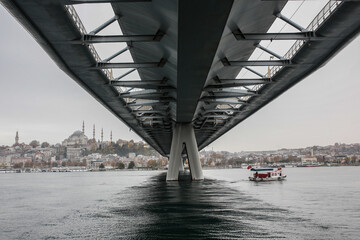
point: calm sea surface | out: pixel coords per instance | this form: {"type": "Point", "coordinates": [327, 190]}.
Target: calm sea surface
{"type": "Point", "coordinates": [313, 203]}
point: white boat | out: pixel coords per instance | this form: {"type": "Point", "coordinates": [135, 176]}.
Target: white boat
{"type": "Point", "coordinates": [266, 174]}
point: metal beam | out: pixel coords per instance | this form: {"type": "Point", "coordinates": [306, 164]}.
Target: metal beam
{"type": "Point", "coordinates": [101, 65]}
{"type": "Point", "coordinates": [266, 63]}
{"type": "Point", "coordinates": [150, 103]}
{"type": "Point", "coordinates": [255, 72]}
{"type": "Point", "coordinates": [150, 97]}
{"type": "Point", "coordinates": [228, 87]}
{"type": "Point", "coordinates": [125, 74]}
{"type": "Point", "coordinates": [308, 35]}
{"type": "Point", "coordinates": [240, 92]}
{"type": "Point", "coordinates": [116, 54]}
{"type": "Point", "coordinates": [91, 39]}
{"type": "Point", "coordinates": [139, 94]}
{"type": "Point", "coordinates": [104, 25]}
{"type": "Point", "coordinates": [151, 117]}
{"type": "Point", "coordinates": [228, 94]}
{"type": "Point", "coordinates": [234, 83]}
{"type": "Point", "coordinates": [270, 52]}
{"type": "Point", "coordinates": [222, 101]}
{"type": "Point", "coordinates": [151, 84]}
{"type": "Point", "coordinates": [242, 80]}
{"type": "Point", "coordinates": [149, 111]}
{"type": "Point", "coordinates": [73, 2]}
{"type": "Point", "coordinates": [150, 122]}
{"type": "Point", "coordinates": [221, 111]}
{"type": "Point", "coordinates": [214, 116]}
{"type": "Point", "coordinates": [289, 21]}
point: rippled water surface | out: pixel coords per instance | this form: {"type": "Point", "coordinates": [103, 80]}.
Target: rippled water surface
{"type": "Point", "coordinates": [313, 203]}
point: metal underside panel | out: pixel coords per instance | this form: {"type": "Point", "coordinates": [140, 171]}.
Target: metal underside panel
{"type": "Point", "coordinates": [180, 48]}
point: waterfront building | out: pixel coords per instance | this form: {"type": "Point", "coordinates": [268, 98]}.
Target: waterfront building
{"type": "Point", "coordinates": [308, 160]}
{"type": "Point", "coordinates": [15, 160]}
{"type": "Point", "coordinates": [74, 153]}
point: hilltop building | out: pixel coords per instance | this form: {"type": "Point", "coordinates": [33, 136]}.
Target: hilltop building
{"type": "Point", "coordinates": [76, 144]}
{"type": "Point", "coordinates": [77, 139]}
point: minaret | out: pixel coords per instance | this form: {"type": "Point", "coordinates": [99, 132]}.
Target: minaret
{"type": "Point", "coordinates": [83, 127]}
{"type": "Point", "coordinates": [94, 131]}
{"type": "Point", "coordinates": [110, 136]}
{"type": "Point", "coordinates": [102, 135]}
{"type": "Point", "coordinates": [17, 138]}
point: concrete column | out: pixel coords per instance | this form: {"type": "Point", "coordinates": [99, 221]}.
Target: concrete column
{"type": "Point", "coordinates": [181, 168]}
{"type": "Point", "coordinates": [184, 134]}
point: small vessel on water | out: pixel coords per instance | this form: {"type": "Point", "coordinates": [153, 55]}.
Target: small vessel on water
{"type": "Point", "coordinates": [266, 174]}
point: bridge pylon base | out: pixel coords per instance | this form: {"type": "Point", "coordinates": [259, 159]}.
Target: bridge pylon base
{"type": "Point", "coordinates": [184, 135]}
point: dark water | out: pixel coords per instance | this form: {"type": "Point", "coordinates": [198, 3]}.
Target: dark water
{"type": "Point", "coordinates": [314, 203]}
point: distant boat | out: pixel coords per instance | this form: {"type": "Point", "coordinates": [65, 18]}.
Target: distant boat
{"type": "Point", "coordinates": [309, 165]}
{"type": "Point", "coordinates": [266, 174]}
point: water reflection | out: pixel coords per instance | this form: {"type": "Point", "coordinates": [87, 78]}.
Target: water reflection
{"type": "Point", "coordinates": [204, 210]}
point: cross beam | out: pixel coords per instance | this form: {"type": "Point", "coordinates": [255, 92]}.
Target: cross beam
{"type": "Point", "coordinates": [104, 25]}
{"type": "Point", "coordinates": [90, 39]}
{"type": "Point", "coordinates": [233, 83]}
{"type": "Point", "coordinates": [125, 74]}
{"type": "Point", "coordinates": [143, 93]}
{"type": "Point", "coordinates": [215, 115]}
{"type": "Point", "coordinates": [221, 111]}
{"type": "Point", "coordinates": [73, 2]}
{"type": "Point", "coordinates": [149, 111]}
{"type": "Point", "coordinates": [152, 84]}
{"type": "Point", "coordinates": [307, 35]}
{"type": "Point", "coordinates": [230, 92]}
{"type": "Point", "coordinates": [116, 54]}
{"type": "Point", "coordinates": [222, 101]}
{"type": "Point", "coordinates": [289, 21]}
{"type": "Point", "coordinates": [151, 117]}
{"type": "Point", "coordinates": [150, 103]}
{"type": "Point", "coordinates": [266, 63]}
{"type": "Point", "coordinates": [101, 65]}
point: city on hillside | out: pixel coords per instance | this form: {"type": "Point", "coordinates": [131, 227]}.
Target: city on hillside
{"type": "Point", "coordinates": [79, 153]}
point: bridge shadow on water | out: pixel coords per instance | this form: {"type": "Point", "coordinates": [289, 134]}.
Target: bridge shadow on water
{"type": "Point", "coordinates": [195, 209]}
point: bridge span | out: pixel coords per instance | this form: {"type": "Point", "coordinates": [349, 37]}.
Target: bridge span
{"type": "Point", "coordinates": [188, 55]}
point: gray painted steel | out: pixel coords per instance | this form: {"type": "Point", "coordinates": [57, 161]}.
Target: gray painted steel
{"type": "Point", "coordinates": [188, 54]}
{"type": "Point", "coordinates": [184, 138]}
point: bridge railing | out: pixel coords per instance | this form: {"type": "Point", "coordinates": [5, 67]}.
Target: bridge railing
{"type": "Point", "coordinates": [325, 12]}
{"type": "Point", "coordinates": [75, 17]}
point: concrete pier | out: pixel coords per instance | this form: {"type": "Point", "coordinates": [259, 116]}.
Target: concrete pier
{"type": "Point", "coordinates": [184, 135]}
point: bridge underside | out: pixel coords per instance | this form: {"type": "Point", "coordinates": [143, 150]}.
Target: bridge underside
{"type": "Point", "coordinates": [188, 55]}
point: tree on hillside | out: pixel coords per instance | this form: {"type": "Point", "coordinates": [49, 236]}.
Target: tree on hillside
{"type": "Point", "coordinates": [34, 143]}
{"type": "Point", "coordinates": [45, 145]}
{"type": "Point", "coordinates": [131, 165]}
{"type": "Point", "coordinates": [152, 163]}
{"type": "Point", "coordinates": [120, 165]}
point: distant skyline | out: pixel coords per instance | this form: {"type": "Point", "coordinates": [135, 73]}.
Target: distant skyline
{"type": "Point", "coordinates": [43, 103]}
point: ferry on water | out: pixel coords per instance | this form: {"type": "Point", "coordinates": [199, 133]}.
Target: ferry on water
{"type": "Point", "coordinates": [266, 174]}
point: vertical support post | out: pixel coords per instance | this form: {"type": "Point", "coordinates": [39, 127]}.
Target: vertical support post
{"type": "Point", "coordinates": [181, 168]}
{"type": "Point", "coordinates": [175, 156]}
{"type": "Point", "coordinates": [184, 134]}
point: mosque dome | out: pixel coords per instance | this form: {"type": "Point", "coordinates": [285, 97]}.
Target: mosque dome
{"type": "Point", "coordinates": [75, 139]}
{"type": "Point", "coordinates": [77, 133]}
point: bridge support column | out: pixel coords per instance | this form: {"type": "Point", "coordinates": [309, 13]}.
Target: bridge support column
{"type": "Point", "coordinates": [183, 134]}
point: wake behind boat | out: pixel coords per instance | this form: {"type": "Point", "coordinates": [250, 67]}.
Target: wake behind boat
{"type": "Point", "coordinates": [266, 174]}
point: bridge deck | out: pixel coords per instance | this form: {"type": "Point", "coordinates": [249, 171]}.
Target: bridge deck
{"type": "Point", "coordinates": [184, 52]}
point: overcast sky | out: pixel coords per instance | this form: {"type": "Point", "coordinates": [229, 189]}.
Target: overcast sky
{"type": "Point", "coordinates": [41, 102]}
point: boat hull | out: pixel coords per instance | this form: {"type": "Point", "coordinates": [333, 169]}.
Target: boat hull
{"type": "Point", "coordinates": [267, 179]}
